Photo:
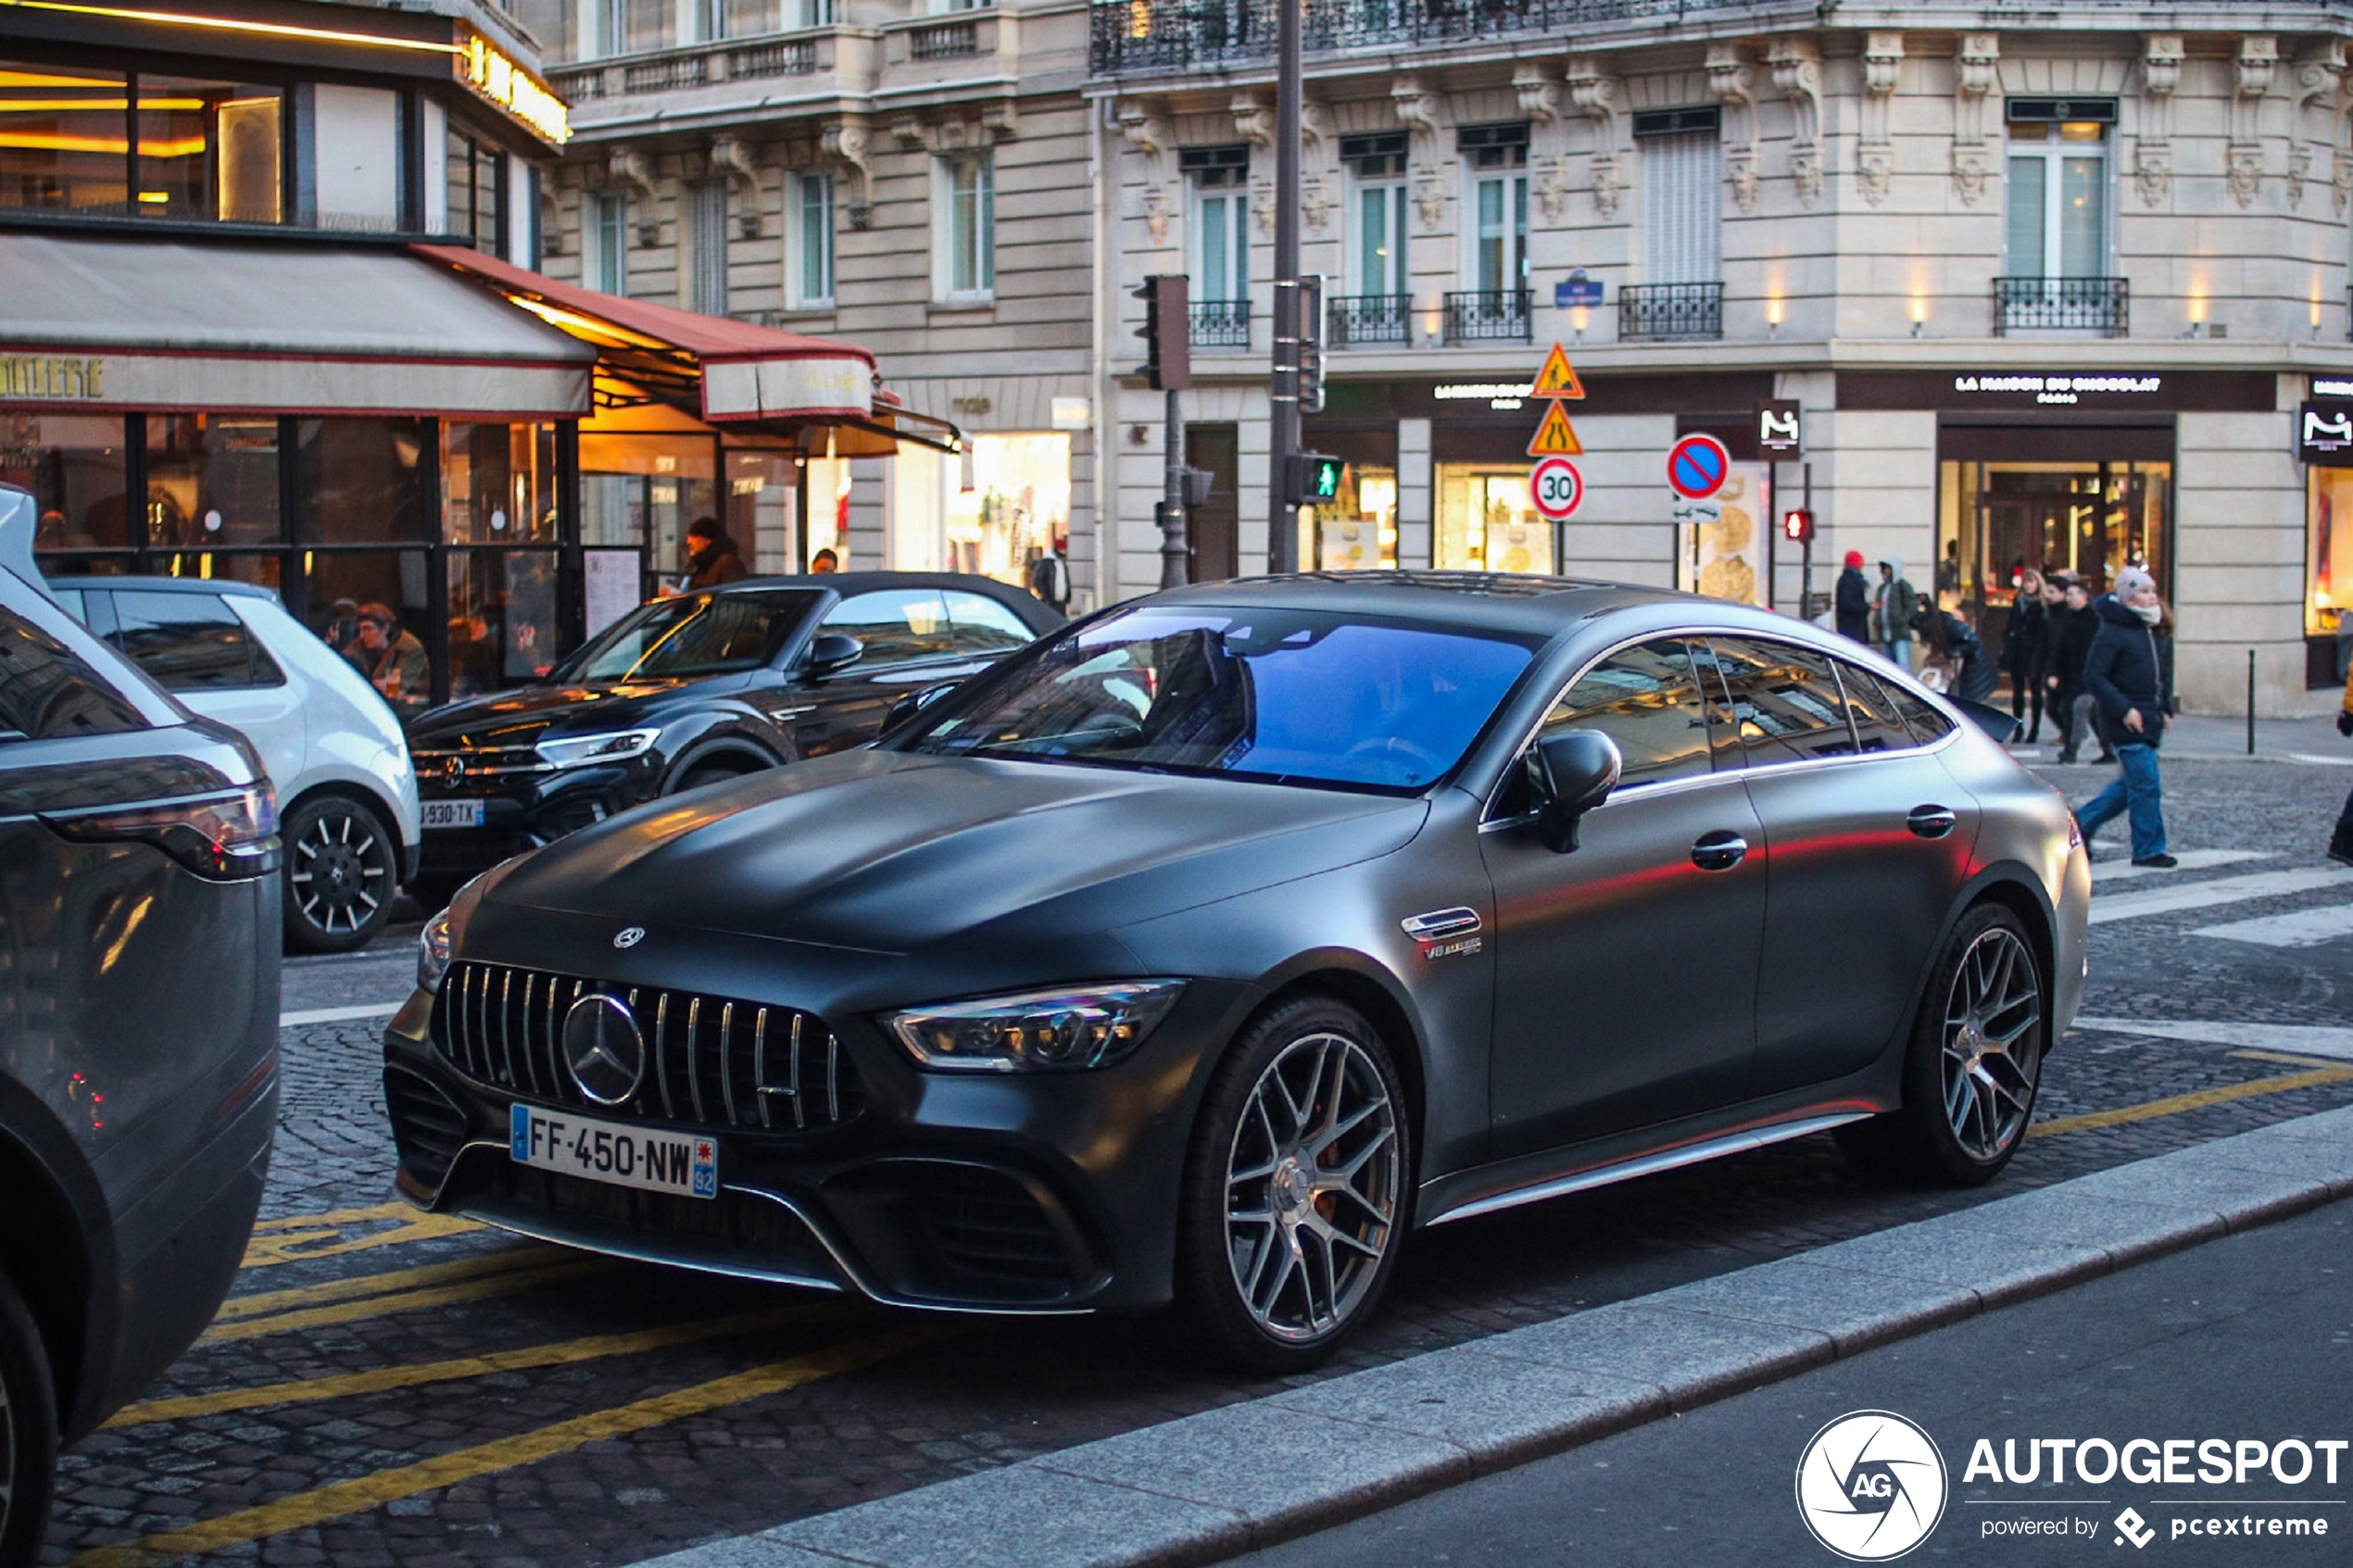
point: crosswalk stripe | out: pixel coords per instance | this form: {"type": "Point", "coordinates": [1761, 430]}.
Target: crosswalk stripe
{"type": "Point", "coordinates": [2302, 928]}
{"type": "Point", "coordinates": [2105, 871]}
{"type": "Point", "coordinates": [336, 1015]}
{"type": "Point", "coordinates": [2220, 890]}
{"type": "Point", "coordinates": [2305, 1039]}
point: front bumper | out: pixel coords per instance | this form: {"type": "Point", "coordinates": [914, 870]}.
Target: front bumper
{"type": "Point", "coordinates": [524, 811]}
{"type": "Point", "coordinates": [1016, 1193]}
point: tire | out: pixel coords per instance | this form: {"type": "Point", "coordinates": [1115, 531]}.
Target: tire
{"type": "Point", "coordinates": [1973, 1065]}
{"type": "Point", "coordinates": [28, 1433]}
{"type": "Point", "coordinates": [1326, 1179]}
{"type": "Point", "coordinates": [343, 869]}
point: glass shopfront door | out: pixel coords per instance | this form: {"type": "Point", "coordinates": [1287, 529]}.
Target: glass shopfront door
{"type": "Point", "coordinates": [1487, 522]}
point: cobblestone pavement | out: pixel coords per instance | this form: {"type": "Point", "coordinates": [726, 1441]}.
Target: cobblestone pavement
{"type": "Point", "coordinates": [435, 1395]}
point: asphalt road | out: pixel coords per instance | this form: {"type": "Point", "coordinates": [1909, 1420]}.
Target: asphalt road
{"type": "Point", "coordinates": [386, 1388]}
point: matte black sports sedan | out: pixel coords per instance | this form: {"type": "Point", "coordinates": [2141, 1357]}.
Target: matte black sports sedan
{"type": "Point", "coordinates": [684, 692]}
{"type": "Point", "coordinates": [1201, 950]}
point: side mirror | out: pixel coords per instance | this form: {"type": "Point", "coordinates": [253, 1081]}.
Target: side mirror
{"type": "Point", "coordinates": [1568, 776]}
{"type": "Point", "coordinates": [829, 651]}
{"type": "Point", "coordinates": [903, 711]}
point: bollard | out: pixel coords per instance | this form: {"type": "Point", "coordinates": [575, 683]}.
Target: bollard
{"type": "Point", "coordinates": [2250, 702]}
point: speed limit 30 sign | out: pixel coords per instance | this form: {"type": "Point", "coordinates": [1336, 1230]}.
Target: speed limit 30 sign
{"type": "Point", "coordinates": [1555, 486]}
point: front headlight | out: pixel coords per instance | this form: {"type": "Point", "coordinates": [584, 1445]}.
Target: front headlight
{"type": "Point", "coordinates": [608, 746]}
{"type": "Point", "coordinates": [1076, 1027]}
{"type": "Point", "coordinates": [433, 946]}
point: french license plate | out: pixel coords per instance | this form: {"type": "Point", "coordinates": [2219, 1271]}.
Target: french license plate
{"type": "Point", "coordinates": [451, 813]}
{"type": "Point", "coordinates": [684, 1163]}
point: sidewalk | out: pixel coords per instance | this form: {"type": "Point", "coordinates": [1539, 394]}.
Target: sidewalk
{"type": "Point", "coordinates": [2205, 738]}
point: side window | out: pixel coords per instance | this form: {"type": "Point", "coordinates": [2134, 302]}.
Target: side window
{"type": "Point", "coordinates": [895, 624]}
{"type": "Point", "coordinates": [46, 692]}
{"type": "Point", "coordinates": [1927, 724]}
{"type": "Point", "coordinates": [985, 626]}
{"type": "Point", "coordinates": [1879, 724]}
{"type": "Point", "coordinates": [1785, 700]}
{"type": "Point", "coordinates": [188, 642]}
{"type": "Point", "coordinates": [1647, 700]}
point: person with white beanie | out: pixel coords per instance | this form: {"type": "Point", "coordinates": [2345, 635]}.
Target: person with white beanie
{"type": "Point", "coordinates": [2129, 673]}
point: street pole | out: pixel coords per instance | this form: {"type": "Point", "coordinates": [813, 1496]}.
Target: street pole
{"type": "Point", "coordinates": [1806, 558]}
{"type": "Point", "coordinates": [1175, 569]}
{"type": "Point", "coordinates": [1282, 517]}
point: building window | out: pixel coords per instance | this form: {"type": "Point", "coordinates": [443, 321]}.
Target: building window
{"type": "Point", "coordinates": [814, 13]}
{"type": "Point", "coordinates": [709, 293]}
{"type": "Point", "coordinates": [2328, 587]}
{"type": "Point", "coordinates": [1376, 301]}
{"type": "Point", "coordinates": [478, 194]}
{"type": "Point", "coordinates": [1682, 195]}
{"type": "Point", "coordinates": [1495, 165]}
{"type": "Point", "coordinates": [2058, 191]}
{"type": "Point", "coordinates": [1219, 179]}
{"type": "Point", "coordinates": [809, 265]}
{"type": "Point", "coordinates": [605, 241]}
{"type": "Point", "coordinates": [207, 152]}
{"type": "Point", "coordinates": [965, 238]}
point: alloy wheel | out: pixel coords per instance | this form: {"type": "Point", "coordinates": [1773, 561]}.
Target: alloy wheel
{"type": "Point", "coordinates": [339, 878]}
{"type": "Point", "coordinates": [1992, 1047]}
{"type": "Point", "coordinates": [1312, 1183]}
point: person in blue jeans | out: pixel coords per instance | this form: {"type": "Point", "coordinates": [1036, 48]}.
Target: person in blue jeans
{"type": "Point", "coordinates": [2129, 672]}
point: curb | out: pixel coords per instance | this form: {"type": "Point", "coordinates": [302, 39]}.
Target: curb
{"type": "Point", "coordinates": [1248, 1475]}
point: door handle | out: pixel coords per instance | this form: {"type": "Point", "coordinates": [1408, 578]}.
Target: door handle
{"type": "Point", "coordinates": [1719, 851]}
{"type": "Point", "coordinates": [1931, 821]}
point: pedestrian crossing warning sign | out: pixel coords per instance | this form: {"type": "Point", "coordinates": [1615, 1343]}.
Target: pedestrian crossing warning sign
{"type": "Point", "coordinates": [1555, 437]}
{"type": "Point", "coordinates": [1557, 378]}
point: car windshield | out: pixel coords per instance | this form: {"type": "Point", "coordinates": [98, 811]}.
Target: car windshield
{"type": "Point", "coordinates": [693, 634]}
{"type": "Point", "coordinates": [1296, 696]}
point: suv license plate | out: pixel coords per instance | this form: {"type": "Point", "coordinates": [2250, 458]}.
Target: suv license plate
{"type": "Point", "coordinates": [451, 813]}
{"type": "Point", "coordinates": [683, 1164]}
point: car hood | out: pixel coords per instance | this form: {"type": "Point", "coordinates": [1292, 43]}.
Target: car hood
{"type": "Point", "coordinates": [891, 853]}
{"type": "Point", "coordinates": [513, 718]}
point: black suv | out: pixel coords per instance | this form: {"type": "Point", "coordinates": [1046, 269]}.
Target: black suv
{"type": "Point", "coordinates": [687, 691]}
{"type": "Point", "coordinates": [139, 918]}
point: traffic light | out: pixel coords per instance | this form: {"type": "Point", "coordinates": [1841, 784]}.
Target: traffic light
{"type": "Point", "coordinates": [1311, 344]}
{"type": "Point", "coordinates": [1166, 332]}
{"type": "Point", "coordinates": [1797, 525]}
{"type": "Point", "coordinates": [1313, 479]}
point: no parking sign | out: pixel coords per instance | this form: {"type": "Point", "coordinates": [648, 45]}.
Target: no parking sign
{"type": "Point", "coordinates": [1697, 467]}
{"type": "Point", "coordinates": [1555, 487]}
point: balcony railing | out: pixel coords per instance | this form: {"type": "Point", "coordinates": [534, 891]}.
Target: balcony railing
{"type": "Point", "coordinates": [2062, 305]}
{"type": "Point", "coordinates": [1670, 312]}
{"type": "Point", "coordinates": [948, 41]}
{"type": "Point", "coordinates": [662, 76]}
{"type": "Point", "coordinates": [1355, 321]}
{"type": "Point", "coordinates": [794, 57]}
{"type": "Point", "coordinates": [1488, 315]}
{"type": "Point", "coordinates": [1175, 35]}
{"type": "Point", "coordinates": [1220, 323]}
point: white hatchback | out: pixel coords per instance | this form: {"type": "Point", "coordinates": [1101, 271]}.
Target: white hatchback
{"type": "Point", "coordinates": [346, 791]}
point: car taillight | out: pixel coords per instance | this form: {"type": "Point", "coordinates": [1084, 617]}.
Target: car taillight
{"type": "Point", "coordinates": [223, 836]}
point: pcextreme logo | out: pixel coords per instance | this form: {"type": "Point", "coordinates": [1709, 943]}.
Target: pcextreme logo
{"type": "Point", "coordinates": [1871, 1486]}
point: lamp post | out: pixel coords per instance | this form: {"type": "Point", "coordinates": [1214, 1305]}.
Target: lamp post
{"type": "Point", "coordinates": [1283, 514]}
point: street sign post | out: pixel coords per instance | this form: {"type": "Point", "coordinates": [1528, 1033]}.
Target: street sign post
{"type": "Point", "coordinates": [1555, 437]}
{"type": "Point", "coordinates": [1555, 487]}
{"type": "Point", "coordinates": [1697, 467]}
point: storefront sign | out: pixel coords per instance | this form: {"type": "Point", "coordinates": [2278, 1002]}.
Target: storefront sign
{"type": "Point", "coordinates": [52, 378]}
{"type": "Point", "coordinates": [1494, 394]}
{"type": "Point", "coordinates": [1779, 428]}
{"type": "Point", "coordinates": [2059, 388]}
{"type": "Point", "coordinates": [523, 97]}
{"type": "Point", "coordinates": [2039, 389]}
{"type": "Point", "coordinates": [2332, 386]}
{"type": "Point", "coordinates": [2323, 432]}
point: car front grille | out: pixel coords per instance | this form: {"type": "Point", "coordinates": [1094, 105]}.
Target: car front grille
{"type": "Point", "coordinates": [469, 766]}
{"type": "Point", "coordinates": [713, 1061]}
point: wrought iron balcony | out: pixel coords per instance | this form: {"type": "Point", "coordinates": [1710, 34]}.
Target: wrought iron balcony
{"type": "Point", "coordinates": [1176, 35]}
{"type": "Point", "coordinates": [1670, 312]}
{"type": "Point", "coordinates": [1355, 321]}
{"type": "Point", "coordinates": [1488, 315]}
{"type": "Point", "coordinates": [1220, 323]}
{"type": "Point", "coordinates": [2062, 305]}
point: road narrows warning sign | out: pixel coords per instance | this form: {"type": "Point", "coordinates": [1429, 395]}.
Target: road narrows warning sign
{"type": "Point", "coordinates": [1555, 437]}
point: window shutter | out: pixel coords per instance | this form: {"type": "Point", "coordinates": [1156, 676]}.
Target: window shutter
{"type": "Point", "coordinates": [1683, 207]}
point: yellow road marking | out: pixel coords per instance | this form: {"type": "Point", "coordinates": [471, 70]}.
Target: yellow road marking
{"type": "Point", "coordinates": [563, 1353]}
{"type": "Point", "coordinates": [2287, 1059]}
{"type": "Point", "coordinates": [403, 1301]}
{"type": "Point", "coordinates": [2178, 1103]}
{"type": "Point", "coordinates": [306, 1508]}
{"type": "Point", "coordinates": [505, 1262]}
{"type": "Point", "coordinates": [392, 1210]}
{"type": "Point", "coordinates": [283, 1244]}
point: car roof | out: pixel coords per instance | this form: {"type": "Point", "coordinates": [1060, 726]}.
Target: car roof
{"type": "Point", "coordinates": [167, 585]}
{"type": "Point", "coordinates": [846, 583]}
{"type": "Point", "coordinates": [1500, 601]}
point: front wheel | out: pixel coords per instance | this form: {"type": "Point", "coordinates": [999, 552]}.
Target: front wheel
{"type": "Point", "coordinates": [1296, 1190]}
{"type": "Point", "coordinates": [342, 870]}
{"type": "Point", "coordinates": [27, 1432]}
{"type": "Point", "coordinates": [1974, 1063]}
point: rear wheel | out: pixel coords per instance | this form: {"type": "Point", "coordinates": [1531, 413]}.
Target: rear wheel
{"type": "Point", "coordinates": [27, 1432]}
{"type": "Point", "coordinates": [343, 868]}
{"type": "Point", "coordinates": [1296, 1190]}
{"type": "Point", "coordinates": [1974, 1064]}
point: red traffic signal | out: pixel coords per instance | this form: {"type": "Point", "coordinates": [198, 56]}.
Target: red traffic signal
{"type": "Point", "coordinates": [1797, 525]}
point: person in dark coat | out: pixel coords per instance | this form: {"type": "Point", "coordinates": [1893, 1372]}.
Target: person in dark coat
{"type": "Point", "coordinates": [2341, 841]}
{"type": "Point", "coordinates": [711, 556]}
{"type": "Point", "coordinates": [1957, 645]}
{"type": "Point", "coordinates": [2022, 654]}
{"type": "Point", "coordinates": [1854, 601]}
{"type": "Point", "coordinates": [2130, 675]}
{"type": "Point", "coordinates": [2067, 641]}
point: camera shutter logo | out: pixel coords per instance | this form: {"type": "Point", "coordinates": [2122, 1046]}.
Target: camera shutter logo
{"type": "Point", "coordinates": [604, 1049]}
{"type": "Point", "coordinates": [1871, 1486]}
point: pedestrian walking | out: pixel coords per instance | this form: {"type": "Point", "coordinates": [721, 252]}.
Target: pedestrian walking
{"type": "Point", "coordinates": [1892, 606]}
{"type": "Point", "coordinates": [2130, 673]}
{"type": "Point", "coordinates": [711, 556]}
{"type": "Point", "coordinates": [2022, 653]}
{"type": "Point", "coordinates": [2341, 841]}
{"type": "Point", "coordinates": [1854, 601]}
{"type": "Point", "coordinates": [2067, 642]}
{"type": "Point", "coordinates": [1954, 644]}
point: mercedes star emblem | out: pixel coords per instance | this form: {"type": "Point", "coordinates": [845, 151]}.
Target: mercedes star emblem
{"type": "Point", "coordinates": [603, 1047]}
{"type": "Point", "coordinates": [453, 771]}
{"type": "Point", "coordinates": [629, 937]}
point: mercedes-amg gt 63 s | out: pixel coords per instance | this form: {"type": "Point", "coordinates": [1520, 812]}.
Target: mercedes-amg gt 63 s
{"type": "Point", "coordinates": [1199, 952]}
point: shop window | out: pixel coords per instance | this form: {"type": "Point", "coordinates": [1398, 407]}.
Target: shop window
{"type": "Point", "coordinates": [212, 482]}
{"type": "Point", "coordinates": [478, 194]}
{"type": "Point", "coordinates": [1358, 530]}
{"type": "Point", "coordinates": [642, 492]}
{"type": "Point", "coordinates": [1017, 509]}
{"type": "Point", "coordinates": [759, 509]}
{"type": "Point", "coordinates": [827, 514]}
{"type": "Point", "coordinates": [2328, 589]}
{"type": "Point", "coordinates": [1488, 523]}
{"type": "Point", "coordinates": [1682, 156]}
{"type": "Point", "coordinates": [604, 223]}
{"type": "Point", "coordinates": [350, 588]}
{"type": "Point", "coordinates": [498, 484]}
{"type": "Point", "coordinates": [2056, 195]}
{"type": "Point", "coordinates": [361, 483]}
{"type": "Point", "coordinates": [964, 228]}
{"type": "Point", "coordinates": [263, 568]}
{"type": "Point", "coordinates": [74, 465]}
{"type": "Point", "coordinates": [502, 623]}
{"type": "Point", "coordinates": [707, 246]}
{"type": "Point", "coordinates": [206, 151]}
{"type": "Point", "coordinates": [808, 267]}
{"type": "Point", "coordinates": [1996, 520]}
